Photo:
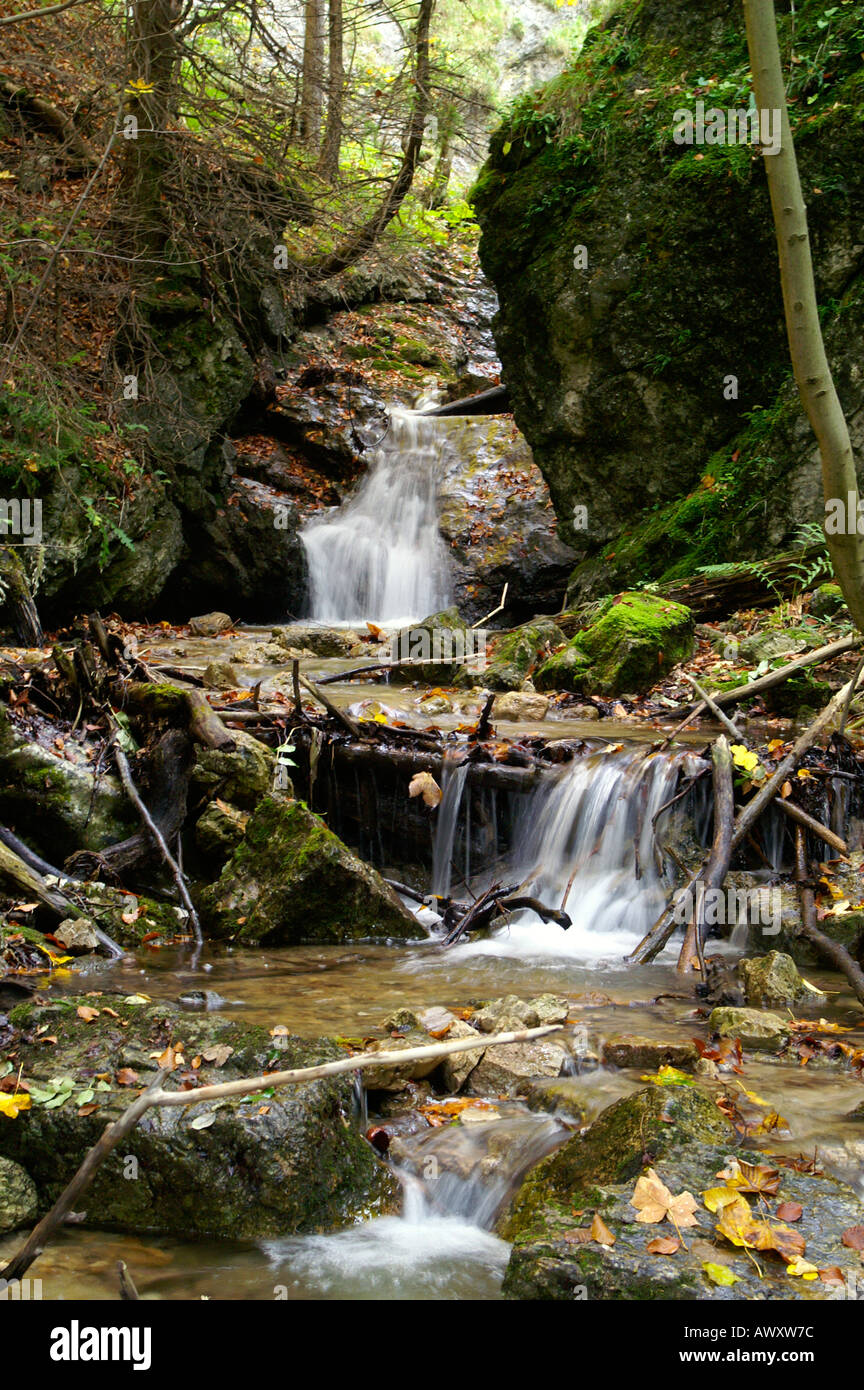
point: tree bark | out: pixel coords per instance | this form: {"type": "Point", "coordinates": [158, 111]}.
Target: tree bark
{"type": "Point", "coordinates": [312, 94]}
{"type": "Point", "coordinates": [807, 349]}
{"type": "Point", "coordinates": [154, 56]}
{"type": "Point", "coordinates": [329, 161]}
{"type": "Point", "coordinates": [356, 246]}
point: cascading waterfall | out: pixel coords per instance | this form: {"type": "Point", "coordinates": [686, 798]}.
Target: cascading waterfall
{"type": "Point", "coordinates": [452, 789]}
{"type": "Point", "coordinates": [585, 842]}
{"type": "Point", "coordinates": [380, 557]}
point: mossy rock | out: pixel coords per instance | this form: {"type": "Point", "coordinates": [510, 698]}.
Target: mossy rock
{"type": "Point", "coordinates": [514, 654]}
{"type": "Point", "coordinates": [241, 777]}
{"type": "Point", "coordinates": [291, 880]}
{"type": "Point", "coordinates": [634, 640]}
{"type": "Point", "coordinates": [271, 1164]}
{"type": "Point", "coordinates": [18, 1197]}
{"type": "Point", "coordinates": [421, 638]}
{"type": "Point", "coordinates": [636, 1130]}
{"type": "Point", "coordinates": [827, 601]}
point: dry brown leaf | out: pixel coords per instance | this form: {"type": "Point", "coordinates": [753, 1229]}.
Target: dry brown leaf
{"type": "Point", "coordinates": [654, 1202]}
{"type": "Point", "coordinates": [424, 784]}
{"type": "Point", "coordinates": [87, 1013]}
{"type": "Point", "coordinates": [600, 1231]}
{"type": "Point", "coordinates": [663, 1245]}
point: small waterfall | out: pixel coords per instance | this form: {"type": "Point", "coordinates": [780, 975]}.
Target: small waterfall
{"type": "Point", "coordinates": [380, 557]}
{"type": "Point", "coordinates": [586, 843]}
{"type": "Point", "coordinates": [452, 788]}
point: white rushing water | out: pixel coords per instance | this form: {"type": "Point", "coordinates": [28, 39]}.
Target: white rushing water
{"type": "Point", "coordinates": [585, 843]}
{"type": "Point", "coordinates": [379, 557]}
{"type": "Point", "coordinates": [455, 1182]}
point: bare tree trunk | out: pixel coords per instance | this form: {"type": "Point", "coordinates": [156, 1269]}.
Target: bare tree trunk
{"type": "Point", "coordinates": [329, 161]}
{"type": "Point", "coordinates": [154, 57]}
{"type": "Point", "coordinates": [809, 362]}
{"type": "Point", "coordinates": [312, 97]}
{"type": "Point", "coordinates": [366, 236]}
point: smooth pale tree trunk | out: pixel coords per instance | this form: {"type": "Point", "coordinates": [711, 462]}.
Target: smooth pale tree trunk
{"type": "Point", "coordinates": [329, 161]}
{"type": "Point", "coordinates": [809, 362]}
{"type": "Point", "coordinates": [312, 97]}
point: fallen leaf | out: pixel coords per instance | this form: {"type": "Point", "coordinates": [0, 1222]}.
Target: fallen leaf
{"type": "Point", "coordinates": [654, 1202]}
{"type": "Point", "coordinates": [87, 1013]}
{"type": "Point", "coordinates": [126, 1077]}
{"type": "Point", "coordinates": [720, 1274]}
{"type": "Point", "coordinates": [790, 1211]}
{"type": "Point", "coordinates": [663, 1245]}
{"type": "Point", "coordinates": [424, 784]}
{"type": "Point", "coordinates": [853, 1238]}
{"type": "Point", "coordinates": [600, 1231]}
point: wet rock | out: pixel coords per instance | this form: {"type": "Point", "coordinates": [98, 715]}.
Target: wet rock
{"type": "Point", "coordinates": [502, 1068]}
{"type": "Point", "coordinates": [512, 656]}
{"type": "Point", "coordinates": [550, 1261]}
{"type": "Point", "coordinates": [320, 641]}
{"type": "Point", "coordinates": [290, 1162]}
{"type": "Point", "coordinates": [400, 1021]}
{"type": "Point", "coordinates": [291, 880]}
{"type": "Point", "coordinates": [635, 1132]}
{"type": "Point", "coordinates": [439, 637]}
{"type": "Point", "coordinates": [578, 711]}
{"type": "Point", "coordinates": [77, 935]}
{"type": "Point", "coordinates": [550, 1008]}
{"type": "Point", "coordinates": [392, 1104]}
{"type": "Point", "coordinates": [649, 1054]}
{"type": "Point", "coordinates": [56, 801]}
{"type": "Point", "coordinates": [393, 1076]}
{"type": "Point", "coordinates": [220, 830]}
{"type": "Point", "coordinates": [210, 624]}
{"type": "Point", "coordinates": [241, 777]}
{"type": "Point", "coordinates": [127, 917]}
{"type": "Point", "coordinates": [222, 675]}
{"type": "Point", "coordinates": [456, 1070]}
{"type": "Point", "coordinates": [437, 1020]}
{"type": "Point", "coordinates": [633, 640]}
{"type": "Point", "coordinates": [758, 1030]}
{"type": "Point", "coordinates": [201, 1000]}
{"type": "Point", "coordinates": [496, 519]}
{"type": "Point", "coordinates": [857, 1114]}
{"type": "Point", "coordinates": [771, 981]}
{"type": "Point", "coordinates": [515, 706]}
{"type": "Point", "coordinates": [506, 1015]}
{"type": "Point", "coordinates": [764, 646]}
{"type": "Point", "coordinates": [564, 1096]}
{"type": "Point", "coordinates": [18, 1197]}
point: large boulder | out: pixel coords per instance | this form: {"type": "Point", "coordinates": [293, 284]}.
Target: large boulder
{"type": "Point", "coordinates": [771, 981]}
{"type": "Point", "coordinates": [270, 1164]}
{"type": "Point", "coordinates": [681, 1136]}
{"type": "Point", "coordinates": [756, 1029]}
{"type": "Point", "coordinates": [292, 880]}
{"type": "Point", "coordinates": [631, 643]}
{"type": "Point", "coordinates": [618, 335]}
{"type": "Point", "coordinates": [241, 776]}
{"type": "Point", "coordinates": [512, 657]}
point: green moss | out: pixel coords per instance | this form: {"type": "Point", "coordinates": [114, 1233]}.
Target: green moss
{"type": "Point", "coordinates": [634, 639]}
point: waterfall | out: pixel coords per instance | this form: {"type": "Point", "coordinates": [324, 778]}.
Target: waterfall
{"type": "Point", "coordinates": [452, 788]}
{"type": "Point", "coordinates": [585, 842]}
{"type": "Point", "coordinates": [379, 557]}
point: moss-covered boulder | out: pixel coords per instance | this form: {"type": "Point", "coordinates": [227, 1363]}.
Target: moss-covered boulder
{"type": "Point", "coordinates": [513, 656]}
{"type": "Point", "coordinates": [273, 1163]}
{"type": "Point", "coordinates": [771, 981]}
{"type": "Point", "coordinates": [683, 1137]}
{"type": "Point", "coordinates": [18, 1198]}
{"type": "Point", "coordinates": [56, 802]}
{"type": "Point", "coordinates": [636, 1130]}
{"type": "Point", "coordinates": [632, 642]}
{"type": "Point", "coordinates": [240, 777]}
{"type": "Point", "coordinates": [614, 324]}
{"type": "Point", "coordinates": [423, 650]}
{"type": "Point", "coordinates": [292, 880]}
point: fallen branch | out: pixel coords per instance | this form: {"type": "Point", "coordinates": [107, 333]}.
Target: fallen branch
{"type": "Point", "coordinates": [830, 951]}
{"type": "Point", "coordinates": [154, 1096]}
{"type": "Point", "coordinates": [345, 719]}
{"type": "Point", "coordinates": [717, 866]}
{"type": "Point", "coordinates": [158, 839]}
{"type": "Point", "coordinates": [13, 867]}
{"type": "Point", "coordinates": [814, 826]}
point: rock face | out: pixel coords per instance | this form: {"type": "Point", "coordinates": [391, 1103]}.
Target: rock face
{"type": "Point", "coordinates": [291, 881]}
{"type": "Point", "coordinates": [264, 1166]}
{"type": "Point", "coordinates": [18, 1197]}
{"type": "Point", "coordinates": [497, 521]}
{"type": "Point", "coordinates": [633, 640]}
{"type": "Point", "coordinates": [618, 334]}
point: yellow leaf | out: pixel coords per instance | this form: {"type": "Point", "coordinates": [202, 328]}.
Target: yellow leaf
{"type": "Point", "coordinates": [719, 1274]}
{"type": "Point", "coordinates": [718, 1197]}
{"type": "Point", "coordinates": [802, 1269]}
{"type": "Point", "coordinates": [654, 1202]}
{"type": "Point", "coordinates": [11, 1106]}
{"type": "Point", "coordinates": [742, 757]}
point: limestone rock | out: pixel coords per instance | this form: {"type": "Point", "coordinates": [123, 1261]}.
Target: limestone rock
{"type": "Point", "coordinates": [757, 1029]}
{"type": "Point", "coordinates": [771, 981]}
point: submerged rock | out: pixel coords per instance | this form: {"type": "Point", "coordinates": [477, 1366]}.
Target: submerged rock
{"type": "Point", "coordinates": [291, 880]}
{"type": "Point", "coordinates": [771, 981]}
{"type": "Point", "coordinates": [18, 1197]}
{"type": "Point", "coordinates": [627, 1050]}
{"type": "Point", "coordinates": [631, 643]}
{"type": "Point", "coordinates": [271, 1164]}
